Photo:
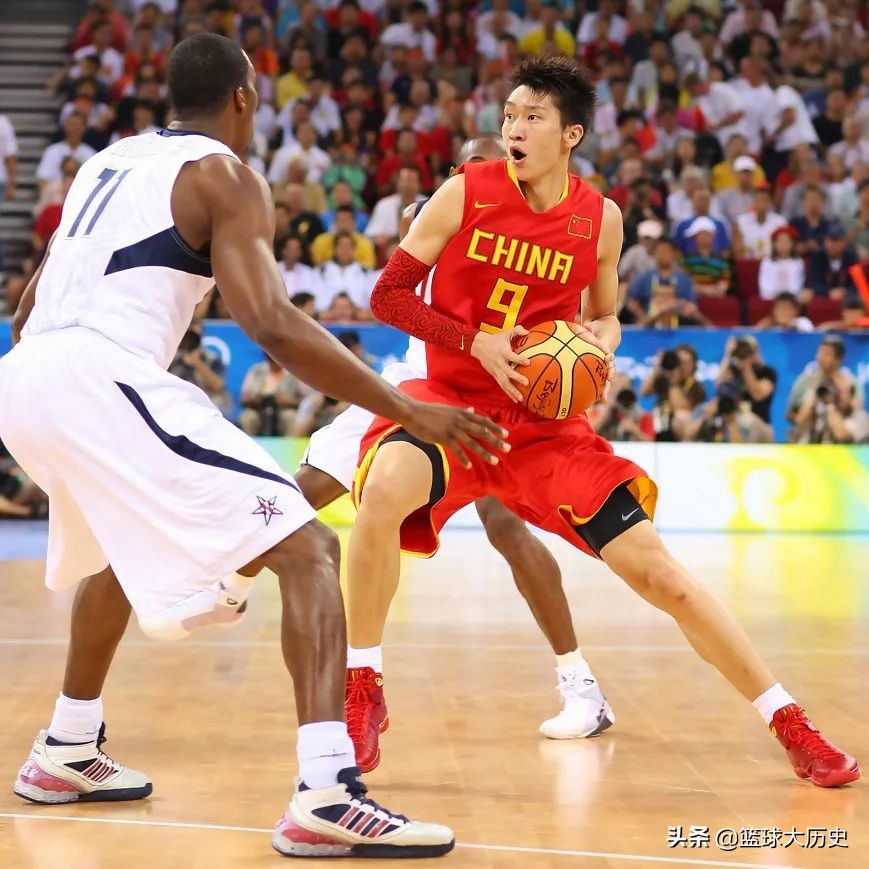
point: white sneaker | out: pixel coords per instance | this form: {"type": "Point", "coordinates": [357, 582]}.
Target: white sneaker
{"type": "Point", "coordinates": [77, 773]}
{"type": "Point", "coordinates": [586, 711]}
{"type": "Point", "coordinates": [341, 821]}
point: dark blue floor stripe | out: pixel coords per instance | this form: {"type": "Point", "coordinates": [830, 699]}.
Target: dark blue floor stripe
{"type": "Point", "coordinates": [184, 447]}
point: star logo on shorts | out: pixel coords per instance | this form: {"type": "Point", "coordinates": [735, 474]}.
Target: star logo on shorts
{"type": "Point", "coordinates": [267, 509]}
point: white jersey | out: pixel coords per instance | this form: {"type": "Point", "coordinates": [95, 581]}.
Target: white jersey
{"type": "Point", "coordinates": [118, 265]}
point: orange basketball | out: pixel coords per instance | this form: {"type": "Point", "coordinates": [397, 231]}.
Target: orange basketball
{"type": "Point", "coordinates": [566, 374]}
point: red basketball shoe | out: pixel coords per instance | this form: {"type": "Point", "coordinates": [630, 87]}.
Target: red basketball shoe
{"type": "Point", "coordinates": [367, 717]}
{"type": "Point", "coordinates": [812, 756]}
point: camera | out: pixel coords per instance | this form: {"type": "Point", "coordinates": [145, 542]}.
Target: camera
{"type": "Point", "coordinates": [669, 360]}
{"type": "Point", "coordinates": [626, 399]}
{"type": "Point", "coordinates": [826, 390]}
{"type": "Point", "coordinates": [191, 341]}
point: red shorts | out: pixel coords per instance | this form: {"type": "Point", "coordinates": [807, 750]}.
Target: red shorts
{"type": "Point", "coordinates": [557, 475]}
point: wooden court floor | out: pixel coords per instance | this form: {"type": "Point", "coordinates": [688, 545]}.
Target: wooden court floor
{"type": "Point", "coordinates": [468, 680]}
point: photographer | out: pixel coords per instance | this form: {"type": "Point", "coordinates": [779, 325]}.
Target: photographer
{"type": "Point", "coordinates": [622, 418]}
{"type": "Point", "coordinates": [755, 379]}
{"type": "Point", "coordinates": [202, 367]}
{"type": "Point", "coordinates": [826, 402]}
{"type": "Point", "coordinates": [674, 384]}
{"type": "Point", "coordinates": [832, 413]}
{"type": "Point", "coordinates": [270, 397]}
{"type": "Point", "coordinates": [726, 419]}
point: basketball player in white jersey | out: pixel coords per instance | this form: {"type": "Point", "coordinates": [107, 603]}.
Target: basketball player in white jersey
{"type": "Point", "coordinates": [327, 473]}
{"type": "Point", "coordinates": [154, 496]}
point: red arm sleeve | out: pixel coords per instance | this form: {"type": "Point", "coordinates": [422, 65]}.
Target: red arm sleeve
{"type": "Point", "coordinates": [395, 302]}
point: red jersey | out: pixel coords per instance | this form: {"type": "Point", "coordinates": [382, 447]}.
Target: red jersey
{"type": "Point", "coordinates": [510, 265]}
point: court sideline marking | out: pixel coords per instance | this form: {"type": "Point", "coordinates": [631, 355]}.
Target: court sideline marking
{"type": "Point", "coordinates": [513, 849]}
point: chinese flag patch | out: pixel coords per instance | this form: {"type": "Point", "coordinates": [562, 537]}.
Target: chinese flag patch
{"type": "Point", "coordinates": [579, 226]}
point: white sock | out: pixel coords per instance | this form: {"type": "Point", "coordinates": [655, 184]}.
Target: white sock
{"type": "Point", "coordinates": [324, 749]}
{"type": "Point", "coordinates": [238, 586]}
{"type": "Point", "coordinates": [76, 720]}
{"type": "Point", "coordinates": [370, 657]}
{"type": "Point", "coordinates": [771, 701]}
{"type": "Point", "coordinates": [571, 662]}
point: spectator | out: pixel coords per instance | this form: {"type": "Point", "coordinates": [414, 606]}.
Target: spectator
{"type": "Point", "coordinates": [735, 200]}
{"type": "Point", "coordinates": [341, 193]}
{"type": "Point", "coordinates": [407, 155]}
{"type": "Point", "coordinates": [793, 195]}
{"type": "Point", "coordinates": [48, 218]}
{"type": "Point", "coordinates": [702, 206]}
{"type": "Point", "coordinates": [853, 319]}
{"type": "Point", "coordinates": [144, 116]}
{"type": "Point", "coordinates": [785, 315]}
{"type": "Point", "coordinates": [413, 32]}
{"type": "Point", "coordinates": [20, 497]}
{"type": "Point", "coordinates": [725, 175]}
{"type": "Point", "coordinates": [644, 288]}
{"type": "Point", "coordinates": [858, 226]}
{"type": "Point", "coordinates": [618, 26]}
{"type": "Point", "coordinates": [341, 310]}
{"type": "Point", "coordinates": [344, 274]}
{"type": "Point", "coordinates": [622, 418]}
{"type": "Point", "coordinates": [828, 267]}
{"type": "Point", "coordinates": [111, 66]}
{"type": "Point", "coordinates": [709, 273]}
{"type": "Point", "coordinates": [202, 367]}
{"type": "Point", "coordinates": [789, 128]}
{"type": "Point", "coordinates": [384, 223]}
{"type": "Point", "coordinates": [755, 380]}
{"type": "Point", "coordinates": [643, 90]}
{"type": "Point", "coordinates": [8, 160]}
{"type": "Point", "coordinates": [304, 149]}
{"type": "Point", "coordinates": [300, 219]}
{"type": "Point", "coordinates": [811, 226]}
{"type": "Point", "coordinates": [782, 271]}
{"type": "Point", "coordinates": [323, 111]}
{"type": "Point", "coordinates": [638, 258]}
{"type": "Point", "coordinates": [853, 148]}
{"type": "Point", "coordinates": [752, 232]}
{"type": "Point", "coordinates": [297, 276]}
{"type": "Point", "coordinates": [842, 193]}
{"type": "Point", "coordinates": [759, 101]}
{"type": "Point", "coordinates": [552, 35]}
{"type": "Point", "coordinates": [270, 397]}
{"type": "Point", "coordinates": [323, 246]}
{"type": "Point", "coordinates": [49, 168]}
{"type": "Point", "coordinates": [720, 107]}
{"type": "Point", "coordinates": [680, 202]}
{"type": "Point", "coordinates": [828, 125]}
{"type": "Point", "coordinates": [668, 133]}
{"type": "Point", "coordinates": [306, 303]}
{"type": "Point", "coordinates": [293, 84]}
{"type": "Point", "coordinates": [726, 419]}
{"type": "Point", "coordinates": [143, 50]}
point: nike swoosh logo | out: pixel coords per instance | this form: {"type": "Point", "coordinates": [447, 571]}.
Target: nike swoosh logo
{"type": "Point", "coordinates": [479, 204]}
{"type": "Point", "coordinates": [628, 516]}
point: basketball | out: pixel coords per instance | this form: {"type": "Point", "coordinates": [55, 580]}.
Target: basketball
{"type": "Point", "coordinates": [566, 375]}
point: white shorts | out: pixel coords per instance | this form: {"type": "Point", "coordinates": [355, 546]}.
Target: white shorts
{"type": "Point", "coordinates": [334, 448]}
{"type": "Point", "coordinates": [142, 471]}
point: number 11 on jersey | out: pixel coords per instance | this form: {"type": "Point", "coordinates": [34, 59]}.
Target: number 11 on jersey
{"type": "Point", "coordinates": [509, 308]}
{"type": "Point", "coordinates": [104, 178]}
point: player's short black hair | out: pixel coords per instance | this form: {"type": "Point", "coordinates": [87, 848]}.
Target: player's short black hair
{"type": "Point", "coordinates": [204, 71]}
{"type": "Point", "coordinates": [565, 80]}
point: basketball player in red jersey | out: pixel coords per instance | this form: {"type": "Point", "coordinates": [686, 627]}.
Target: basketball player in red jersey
{"type": "Point", "coordinates": [519, 242]}
{"type": "Point", "coordinates": [326, 474]}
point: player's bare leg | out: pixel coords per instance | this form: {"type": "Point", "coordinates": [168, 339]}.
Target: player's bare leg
{"type": "Point", "coordinates": [313, 639]}
{"type": "Point", "coordinates": [585, 711]}
{"type": "Point", "coordinates": [640, 558]}
{"type": "Point", "coordinates": [66, 763]}
{"type": "Point", "coordinates": [398, 482]}
{"type": "Point", "coordinates": [319, 488]}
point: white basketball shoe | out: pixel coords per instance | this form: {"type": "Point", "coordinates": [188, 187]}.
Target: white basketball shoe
{"type": "Point", "coordinates": [585, 711]}
{"type": "Point", "coordinates": [68, 773]}
{"type": "Point", "coordinates": [341, 821]}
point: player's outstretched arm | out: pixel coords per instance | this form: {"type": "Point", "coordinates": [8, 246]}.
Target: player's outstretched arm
{"type": "Point", "coordinates": [238, 208]}
{"type": "Point", "coordinates": [394, 299]}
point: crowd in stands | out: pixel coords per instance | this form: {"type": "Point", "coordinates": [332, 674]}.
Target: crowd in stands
{"type": "Point", "coordinates": [733, 134]}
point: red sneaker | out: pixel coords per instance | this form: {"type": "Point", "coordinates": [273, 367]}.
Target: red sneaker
{"type": "Point", "coordinates": [367, 717]}
{"type": "Point", "coordinates": [812, 756]}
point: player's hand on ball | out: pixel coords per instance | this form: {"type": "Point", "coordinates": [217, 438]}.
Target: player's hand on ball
{"type": "Point", "coordinates": [495, 353]}
{"type": "Point", "coordinates": [588, 334]}
{"type": "Point", "coordinates": [458, 429]}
